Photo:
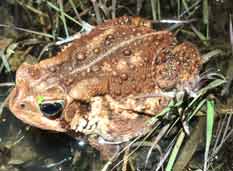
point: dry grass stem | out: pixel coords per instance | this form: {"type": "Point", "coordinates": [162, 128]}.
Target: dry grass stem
{"type": "Point", "coordinates": [97, 11]}
{"type": "Point", "coordinates": [114, 2]}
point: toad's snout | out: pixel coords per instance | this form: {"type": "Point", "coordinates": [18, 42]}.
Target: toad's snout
{"type": "Point", "coordinates": [23, 105]}
{"type": "Point", "coordinates": [18, 98]}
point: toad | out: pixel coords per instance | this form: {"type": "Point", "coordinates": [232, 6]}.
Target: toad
{"type": "Point", "coordinates": [107, 83]}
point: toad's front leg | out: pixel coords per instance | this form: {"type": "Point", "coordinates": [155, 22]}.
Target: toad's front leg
{"type": "Point", "coordinates": [82, 94]}
{"type": "Point", "coordinates": [108, 128]}
{"type": "Point", "coordinates": [91, 119]}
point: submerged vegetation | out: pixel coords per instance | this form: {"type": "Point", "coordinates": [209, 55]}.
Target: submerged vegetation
{"type": "Point", "coordinates": [191, 133]}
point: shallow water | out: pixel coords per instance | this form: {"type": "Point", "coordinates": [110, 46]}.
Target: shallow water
{"type": "Point", "coordinates": [25, 148]}
{"type": "Point", "coordinates": [31, 148]}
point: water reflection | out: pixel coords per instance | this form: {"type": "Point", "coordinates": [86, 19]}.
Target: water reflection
{"type": "Point", "coordinates": [23, 148]}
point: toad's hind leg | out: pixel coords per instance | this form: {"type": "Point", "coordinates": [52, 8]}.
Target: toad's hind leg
{"type": "Point", "coordinates": [188, 55]}
{"type": "Point", "coordinates": [128, 20]}
{"type": "Point", "coordinates": [177, 66]}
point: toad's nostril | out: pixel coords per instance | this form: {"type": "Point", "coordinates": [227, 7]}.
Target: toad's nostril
{"type": "Point", "coordinates": [22, 105]}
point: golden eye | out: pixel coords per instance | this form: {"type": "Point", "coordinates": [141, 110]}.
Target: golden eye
{"type": "Point", "coordinates": [52, 110]}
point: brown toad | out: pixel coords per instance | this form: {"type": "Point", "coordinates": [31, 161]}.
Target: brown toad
{"type": "Point", "coordinates": [107, 83]}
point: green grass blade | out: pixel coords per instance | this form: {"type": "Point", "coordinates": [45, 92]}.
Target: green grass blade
{"type": "Point", "coordinates": [209, 130]}
{"type": "Point", "coordinates": [63, 18]}
{"type": "Point", "coordinates": [153, 8]}
{"type": "Point", "coordinates": [200, 35]}
{"type": "Point", "coordinates": [30, 31]}
{"type": "Point", "coordinates": [4, 61]}
{"type": "Point", "coordinates": [231, 33]}
{"type": "Point", "coordinates": [75, 10]}
{"type": "Point", "coordinates": [186, 7]}
{"type": "Point", "coordinates": [206, 57]}
{"type": "Point", "coordinates": [158, 9]}
{"type": "Point", "coordinates": [51, 5]}
{"type": "Point", "coordinates": [6, 55]}
{"type": "Point", "coordinates": [211, 85]}
{"type": "Point", "coordinates": [152, 120]}
{"type": "Point", "coordinates": [31, 8]}
{"type": "Point", "coordinates": [205, 11]}
{"type": "Point", "coordinates": [178, 9]}
{"type": "Point", "coordinates": [199, 106]}
{"type": "Point", "coordinates": [175, 151]}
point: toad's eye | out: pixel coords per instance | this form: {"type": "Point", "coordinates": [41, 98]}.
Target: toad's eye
{"type": "Point", "coordinates": [51, 110]}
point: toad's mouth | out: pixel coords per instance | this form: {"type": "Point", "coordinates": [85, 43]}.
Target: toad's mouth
{"type": "Point", "coordinates": [31, 116]}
